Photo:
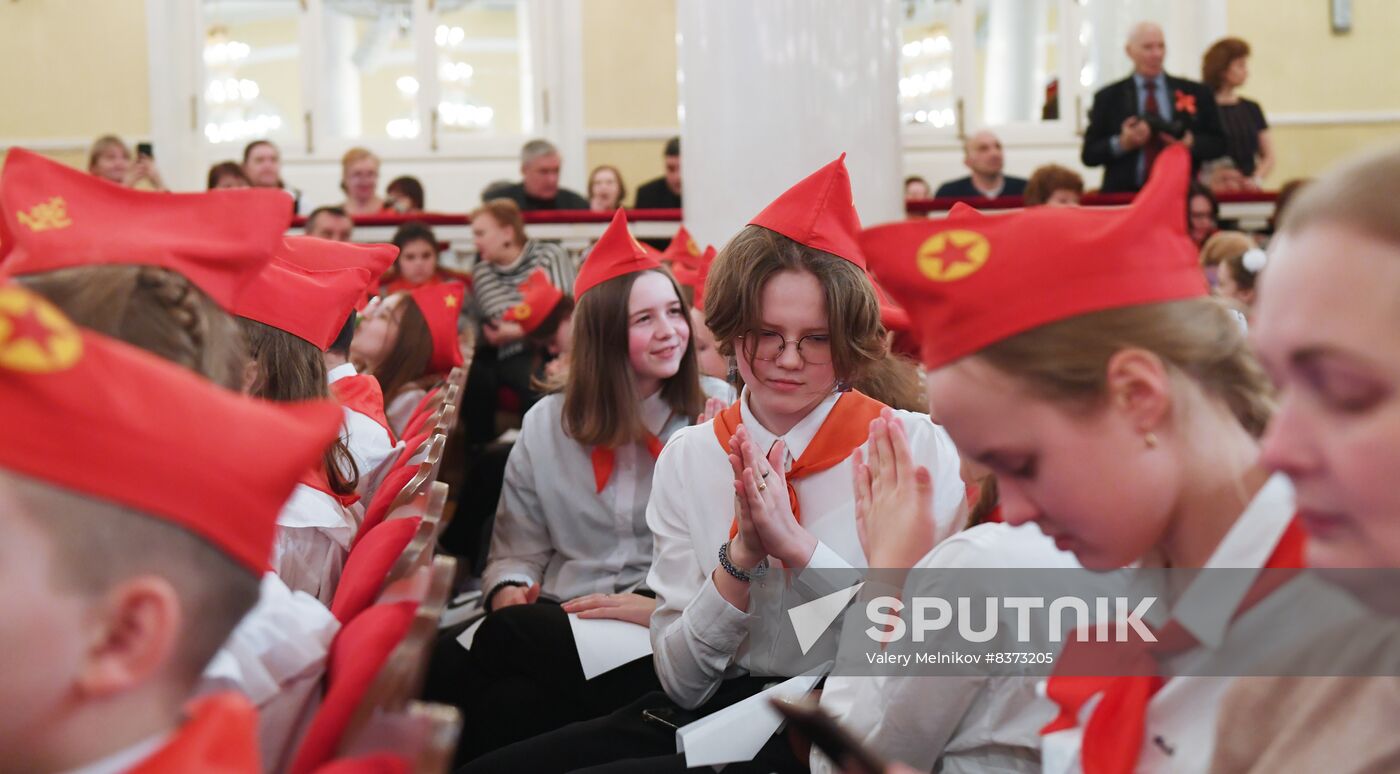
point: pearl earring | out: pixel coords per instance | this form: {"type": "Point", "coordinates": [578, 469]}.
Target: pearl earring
{"type": "Point", "coordinates": [1151, 440]}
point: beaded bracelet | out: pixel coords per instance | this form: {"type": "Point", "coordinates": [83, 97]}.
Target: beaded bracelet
{"type": "Point", "coordinates": [757, 572]}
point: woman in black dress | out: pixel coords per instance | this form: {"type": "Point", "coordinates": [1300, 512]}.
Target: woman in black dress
{"type": "Point", "coordinates": [1225, 68]}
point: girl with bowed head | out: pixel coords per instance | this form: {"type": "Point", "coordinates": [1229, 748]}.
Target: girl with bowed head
{"type": "Point", "coordinates": [1117, 368]}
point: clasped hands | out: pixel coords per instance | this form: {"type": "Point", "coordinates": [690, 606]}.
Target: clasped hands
{"type": "Point", "coordinates": [894, 498]}
{"type": "Point", "coordinates": [767, 525]}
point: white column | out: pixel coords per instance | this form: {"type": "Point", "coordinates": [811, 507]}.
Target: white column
{"type": "Point", "coordinates": [772, 90]}
{"type": "Point", "coordinates": [340, 77]}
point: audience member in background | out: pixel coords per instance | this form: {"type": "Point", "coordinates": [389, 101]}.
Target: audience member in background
{"type": "Point", "coordinates": [539, 186]}
{"type": "Point", "coordinates": [262, 163]}
{"type": "Point", "coordinates": [546, 314]}
{"type": "Point", "coordinates": [606, 191]}
{"type": "Point", "coordinates": [1221, 176]}
{"type": "Point", "coordinates": [1286, 192]}
{"type": "Point", "coordinates": [404, 195]}
{"type": "Point", "coordinates": [331, 223]}
{"type": "Point", "coordinates": [417, 264]}
{"type": "Point", "coordinates": [983, 156]}
{"type": "Point", "coordinates": [1202, 213]}
{"type": "Point", "coordinates": [495, 190]}
{"type": "Point", "coordinates": [1238, 275]}
{"type": "Point", "coordinates": [506, 259]}
{"type": "Point", "coordinates": [713, 366]}
{"type": "Point", "coordinates": [1054, 186]}
{"type": "Point", "coordinates": [664, 193]}
{"type": "Point", "coordinates": [409, 342]}
{"type": "Point", "coordinates": [1121, 137]}
{"type": "Point", "coordinates": [227, 174]}
{"type": "Point", "coordinates": [1218, 247]}
{"type": "Point", "coordinates": [111, 159]}
{"type": "Point", "coordinates": [359, 179]}
{"type": "Point", "coordinates": [916, 187]}
{"type": "Point", "coordinates": [1224, 68]}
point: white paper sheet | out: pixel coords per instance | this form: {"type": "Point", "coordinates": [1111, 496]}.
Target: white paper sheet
{"type": "Point", "coordinates": [605, 644]}
{"type": "Point", "coordinates": [737, 732]}
{"type": "Point", "coordinates": [467, 636]}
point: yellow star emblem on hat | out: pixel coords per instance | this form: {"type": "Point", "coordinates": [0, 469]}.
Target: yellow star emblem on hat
{"type": "Point", "coordinates": [521, 311]}
{"type": "Point", "coordinates": [450, 302]}
{"type": "Point", "coordinates": [34, 336]}
{"type": "Point", "coordinates": [46, 216]}
{"type": "Point", "coordinates": [952, 255]}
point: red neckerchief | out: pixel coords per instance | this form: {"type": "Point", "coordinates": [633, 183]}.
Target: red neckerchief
{"type": "Point", "coordinates": [362, 394]}
{"type": "Point", "coordinates": [843, 431]}
{"type": "Point", "coordinates": [219, 736]}
{"type": "Point", "coordinates": [1113, 734]}
{"type": "Point", "coordinates": [605, 459]}
{"type": "Point", "coordinates": [317, 479]}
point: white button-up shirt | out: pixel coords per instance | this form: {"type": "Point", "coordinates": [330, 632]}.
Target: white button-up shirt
{"type": "Point", "coordinates": [314, 532]}
{"type": "Point", "coordinates": [954, 723]}
{"type": "Point", "coordinates": [366, 439]}
{"type": "Point", "coordinates": [1179, 730]}
{"type": "Point", "coordinates": [699, 639]}
{"type": "Point", "coordinates": [552, 525]}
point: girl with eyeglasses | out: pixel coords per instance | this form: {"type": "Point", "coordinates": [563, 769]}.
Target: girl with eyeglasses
{"type": "Point", "coordinates": [767, 482]}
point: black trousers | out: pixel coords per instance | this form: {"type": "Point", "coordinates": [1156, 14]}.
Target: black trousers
{"type": "Point", "coordinates": [624, 741]}
{"type": "Point", "coordinates": [487, 376]}
{"type": "Point", "coordinates": [522, 678]}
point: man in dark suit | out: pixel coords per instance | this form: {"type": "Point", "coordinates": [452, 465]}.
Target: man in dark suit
{"type": "Point", "coordinates": [664, 193]}
{"type": "Point", "coordinates": [983, 156]}
{"type": "Point", "coordinates": [1119, 136]}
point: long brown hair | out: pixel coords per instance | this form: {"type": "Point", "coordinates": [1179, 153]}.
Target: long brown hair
{"type": "Point", "coordinates": [734, 297]}
{"type": "Point", "coordinates": [152, 308]}
{"type": "Point", "coordinates": [1197, 338]}
{"type": "Point", "coordinates": [292, 369]}
{"type": "Point", "coordinates": [600, 398]}
{"type": "Point", "coordinates": [403, 368]}
{"type": "Point", "coordinates": [895, 381]}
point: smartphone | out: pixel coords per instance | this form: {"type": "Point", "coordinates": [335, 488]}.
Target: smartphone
{"type": "Point", "coordinates": [669, 717]}
{"type": "Point", "coordinates": [835, 742]}
{"type": "Point", "coordinates": [145, 149]}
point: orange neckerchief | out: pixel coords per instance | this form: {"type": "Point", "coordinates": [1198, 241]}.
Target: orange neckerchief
{"type": "Point", "coordinates": [219, 736]}
{"type": "Point", "coordinates": [845, 429]}
{"type": "Point", "coordinates": [1113, 733]}
{"type": "Point", "coordinates": [317, 479]}
{"type": "Point", "coordinates": [604, 459]}
{"type": "Point", "coordinates": [361, 393]}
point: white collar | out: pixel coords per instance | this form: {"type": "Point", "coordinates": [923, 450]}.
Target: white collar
{"type": "Point", "coordinates": [655, 412]}
{"type": "Point", "coordinates": [1207, 607]}
{"type": "Point", "coordinates": [798, 437]}
{"type": "Point", "coordinates": [126, 759]}
{"type": "Point", "coordinates": [342, 371]}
